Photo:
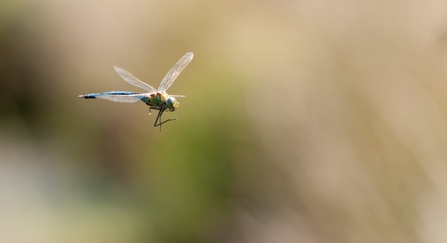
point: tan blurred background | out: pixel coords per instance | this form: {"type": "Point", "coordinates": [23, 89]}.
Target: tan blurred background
{"type": "Point", "coordinates": [304, 121]}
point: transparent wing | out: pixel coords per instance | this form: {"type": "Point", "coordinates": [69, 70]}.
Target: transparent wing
{"type": "Point", "coordinates": [120, 98]}
{"type": "Point", "coordinates": [178, 96]}
{"type": "Point", "coordinates": [175, 71]}
{"type": "Point", "coordinates": [133, 80]}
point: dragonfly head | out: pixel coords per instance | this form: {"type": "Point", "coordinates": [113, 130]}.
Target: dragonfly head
{"type": "Point", "coordinates": [172, 103]}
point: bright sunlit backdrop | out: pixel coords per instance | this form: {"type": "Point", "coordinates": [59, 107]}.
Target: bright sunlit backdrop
{"type": "Point", "coordinates": [304, 121]}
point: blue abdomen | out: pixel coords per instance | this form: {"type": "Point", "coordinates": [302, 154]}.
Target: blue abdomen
{"type": "Point", "coordinates": [94, 95]}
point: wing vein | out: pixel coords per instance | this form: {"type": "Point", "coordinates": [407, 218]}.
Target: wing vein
{"type": "Point", "coordinates": [175, 71]}
{"type": "Point", "coordinates": [133, 80]}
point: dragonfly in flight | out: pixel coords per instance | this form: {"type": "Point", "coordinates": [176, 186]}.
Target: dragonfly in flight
{"type": "Point", "coordinates": [156, 99]}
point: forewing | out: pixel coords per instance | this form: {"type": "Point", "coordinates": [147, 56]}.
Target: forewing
{"type": "Point", "coordinates": [121, 98]}
{"type": "Point", "coordinates": [133, 80]}
{"type": "Point", "coordinates": [175, 71]}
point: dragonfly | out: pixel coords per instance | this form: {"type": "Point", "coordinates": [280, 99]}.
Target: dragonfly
{"type": "Point", "coordinates": [156, 99]}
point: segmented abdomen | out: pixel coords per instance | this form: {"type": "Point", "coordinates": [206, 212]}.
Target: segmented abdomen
{"type": "Point", "coordinates": [94, 95]}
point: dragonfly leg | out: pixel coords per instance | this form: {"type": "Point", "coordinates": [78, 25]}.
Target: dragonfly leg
{"type": "Point", "coordinates": [158, 117]}
{"type": "Point", "coordinates": [171, 119]}
{"type": "Point", "coordinates": [160, 113]}
{"type": "Point", "coordinates": [150, 111]}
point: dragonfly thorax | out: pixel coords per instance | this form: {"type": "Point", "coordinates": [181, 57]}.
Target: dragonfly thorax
{"type": "Point", "coordinates": [157, 99]}
{"type": "Point", "coordinates": [162, 99]}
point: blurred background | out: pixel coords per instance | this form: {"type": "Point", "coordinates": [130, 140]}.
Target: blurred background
{"type": "Point", "coordinates": [304, 121]}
